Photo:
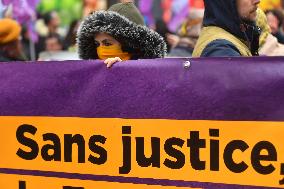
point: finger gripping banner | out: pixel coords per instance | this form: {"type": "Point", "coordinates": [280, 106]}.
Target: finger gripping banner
{"type": "Point", "coordinates": [165, 123]}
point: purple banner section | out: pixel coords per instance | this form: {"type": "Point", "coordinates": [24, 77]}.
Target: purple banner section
{"type": "Point", "coordinates": [210, 89]}
{"type": "Point", "coordinates": [134, 180]}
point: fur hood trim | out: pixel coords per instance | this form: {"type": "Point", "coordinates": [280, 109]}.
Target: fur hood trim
{"type": "Point", "coordinates": [143, 41]}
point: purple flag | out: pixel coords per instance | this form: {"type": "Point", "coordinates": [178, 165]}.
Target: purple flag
{"type": "Point", "coordinates": [178, 18]}
{"type": "Point", "coordinates": [2, 9]}
{"type": "Point", "coordinates": [28, 16]}
{"type": "Point", "coordinates": [6, 2]}
{"type": "Point", "coordinates": [28, 6]}
{"type": "Point", "coordinates": [145, 7]}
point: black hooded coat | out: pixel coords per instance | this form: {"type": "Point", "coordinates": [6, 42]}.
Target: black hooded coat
{"type": "Point", "coordinates": [124, 22]}
{"type": "Point", "coordinates": [224, 14]}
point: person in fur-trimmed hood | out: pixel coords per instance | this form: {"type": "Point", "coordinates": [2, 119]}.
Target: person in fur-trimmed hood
{"type": "Point", "coordinates": [118, 34]}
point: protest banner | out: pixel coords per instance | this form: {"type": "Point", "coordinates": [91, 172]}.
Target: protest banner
{"type": "Point", "coordinates": [165, 123]}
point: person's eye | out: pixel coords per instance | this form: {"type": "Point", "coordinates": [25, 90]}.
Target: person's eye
{"type": "Point", "coordinates": [108, 44]}
{"type": "Point", "coordinates": [97, 44]}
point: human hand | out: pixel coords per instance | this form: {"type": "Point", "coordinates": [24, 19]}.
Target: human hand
{"type": "Point", "coordinates": [126, 1]}
{"type": "Point", "coordinates": [110, 61]}
{"type": "Point", "coordinates": [173, 40]}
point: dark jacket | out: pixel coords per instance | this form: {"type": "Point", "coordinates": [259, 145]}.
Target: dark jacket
{"type": "Point", "coordinates": [4, 58]}
{"type": "Point", "coordinates": [280, 37]}
{"type": "Point", "coordinates": [224, 14]}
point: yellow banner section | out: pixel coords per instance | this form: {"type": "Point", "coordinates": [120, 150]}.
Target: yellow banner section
{"type": "Point", "coordinates": [229, 152]}
{"type": "Point", "coordinates": [28, 182]}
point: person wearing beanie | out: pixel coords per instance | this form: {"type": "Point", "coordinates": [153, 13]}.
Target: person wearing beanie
{"type": "Point", "coordinates": [229, 29]}
{"type": "Point", "coordinates": [10, 46]}
{"type": "Point", "coordinates": [118, 34]}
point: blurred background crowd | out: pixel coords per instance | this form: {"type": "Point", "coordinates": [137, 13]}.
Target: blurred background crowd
{"type": "Point", "coordinates": [48, 27]}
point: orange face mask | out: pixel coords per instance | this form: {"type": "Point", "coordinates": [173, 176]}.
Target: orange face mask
{"type": "Point", "coordinates": [112, 51]}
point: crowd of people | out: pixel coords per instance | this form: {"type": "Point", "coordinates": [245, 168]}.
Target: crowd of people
{"type": "Point", "coordinates": [118, 33]}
